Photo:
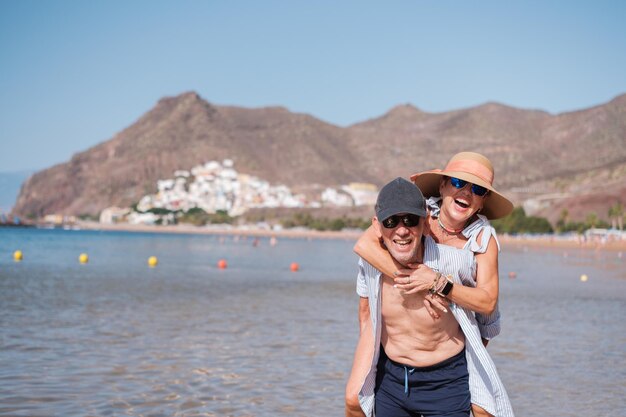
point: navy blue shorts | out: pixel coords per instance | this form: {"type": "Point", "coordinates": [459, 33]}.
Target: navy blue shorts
{"type": "Point", "coordinates": [437, 390]}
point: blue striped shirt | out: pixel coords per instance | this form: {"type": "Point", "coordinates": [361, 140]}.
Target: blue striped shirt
{"type": "Point", "coordinates": [486, 388]}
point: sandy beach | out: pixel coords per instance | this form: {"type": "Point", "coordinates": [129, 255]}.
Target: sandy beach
{"type": "Point", "coordinates": [556, 241]}
{"type": "Point", "coordinates": [564, 242]}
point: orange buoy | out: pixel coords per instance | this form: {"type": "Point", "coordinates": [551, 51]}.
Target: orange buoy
{"type": "Point", "coordinates": [221, 264]}
{"type": "Point", "coordinates": [294, 267]}
{"type": "Point", "coordinates": [512, 274]}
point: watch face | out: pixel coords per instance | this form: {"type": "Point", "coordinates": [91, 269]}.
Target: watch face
{"type": "Point", "coordinates": [447, 288]}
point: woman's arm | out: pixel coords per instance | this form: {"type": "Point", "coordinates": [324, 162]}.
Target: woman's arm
{"type": "Point", "coordinates": [484, 297]}
{"type": "Point", "coordinates": [369, 248]}
{"type": "Point", "coordinates": [481, 299]}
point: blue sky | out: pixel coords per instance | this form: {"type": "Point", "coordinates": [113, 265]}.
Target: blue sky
{"type": "Point", "coordinates": [74, 73]}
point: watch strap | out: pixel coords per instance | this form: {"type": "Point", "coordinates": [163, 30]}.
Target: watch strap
{"type": "Point", "coordinates": [446, 288]}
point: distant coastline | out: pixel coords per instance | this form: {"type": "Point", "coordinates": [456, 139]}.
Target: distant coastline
{"type": "Point", "coordinates": [551, 241]}
{"type": "Point", "coordinates": [220, 230]}
{"type": "Point", "coordinates": [13, 225]}
{"type": "Point", "coordinates": [561, 242]}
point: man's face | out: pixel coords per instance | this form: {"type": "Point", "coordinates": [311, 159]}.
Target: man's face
{"type": "Point", "coordinates": [403, 243]}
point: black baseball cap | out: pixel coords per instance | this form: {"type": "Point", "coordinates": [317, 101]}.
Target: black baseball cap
{"type": "Point", "coordinates": [400, 196]}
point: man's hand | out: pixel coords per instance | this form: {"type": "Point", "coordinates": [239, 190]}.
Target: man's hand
{"type": "Point", "coordinates": [433, 302]}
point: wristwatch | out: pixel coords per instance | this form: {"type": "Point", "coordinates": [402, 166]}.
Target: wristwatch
{"type": "Point", "coordinates": [446, 288]}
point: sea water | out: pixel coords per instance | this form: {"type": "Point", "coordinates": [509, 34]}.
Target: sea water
{"type": "Point", "coordinates": [114, 337]}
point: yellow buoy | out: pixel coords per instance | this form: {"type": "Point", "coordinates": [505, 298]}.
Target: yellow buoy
{"type": "Point", "coordinates": [17, 255]}
{"type": "Point", "coordinates": [153, 261]}
{"type": "Point", "coordinates": [83, 258]}
{"type": "Point", "coordinates": [584, 278]}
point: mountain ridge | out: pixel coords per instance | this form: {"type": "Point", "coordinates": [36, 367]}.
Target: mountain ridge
{"type": "Point", "coordinates": [530, 149]}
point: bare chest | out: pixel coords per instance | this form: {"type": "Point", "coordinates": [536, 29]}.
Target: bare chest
{"type": "Point", "coordinates": [402, 311]}
{"type": "Point", "coordinates": [410, 334]}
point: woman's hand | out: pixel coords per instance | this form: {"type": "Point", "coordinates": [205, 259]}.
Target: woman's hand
{"type": "Point", "coordinates": [420, 279]}
{"type": "Point", "coordinates": [415, 279]}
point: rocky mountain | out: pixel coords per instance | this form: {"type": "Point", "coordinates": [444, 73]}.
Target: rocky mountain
{"type": "Point", "coordinates": [574, 160]}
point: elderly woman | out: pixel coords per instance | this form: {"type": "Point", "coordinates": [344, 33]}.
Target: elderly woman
{"type": "Point", "coordinates": [461, 200]}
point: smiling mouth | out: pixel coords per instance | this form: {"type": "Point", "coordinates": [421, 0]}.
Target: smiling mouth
{"type": "Point", "coordinates": [402, 242]}
{"type": "Point", "coordinates": [461, 203]}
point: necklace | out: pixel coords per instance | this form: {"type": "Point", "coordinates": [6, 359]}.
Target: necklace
{"type": "Point", "coordinates": [449, 231]}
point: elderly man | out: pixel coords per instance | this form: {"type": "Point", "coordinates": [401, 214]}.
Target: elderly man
{"type": "Point", "coordinates": [417, 362]}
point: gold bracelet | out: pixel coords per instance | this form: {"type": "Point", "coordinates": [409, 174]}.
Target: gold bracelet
{"type": "Point", "coordinates": [433, 287]}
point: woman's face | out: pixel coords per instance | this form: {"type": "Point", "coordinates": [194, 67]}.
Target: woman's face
{"type": "Point", "coordinates": [458, 204]}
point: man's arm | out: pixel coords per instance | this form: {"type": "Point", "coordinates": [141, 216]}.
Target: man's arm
{"type": "Point", "coordinates": [362, 360]}
{"type": "Point", "coordinates": [364, 315]}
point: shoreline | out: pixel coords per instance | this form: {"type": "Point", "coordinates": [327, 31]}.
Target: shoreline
{"type": "Point", "coordinates": [542, 241]}
{"type": "Point", "coordinates": [561, 242]}
{"type": "Point", "coordinates": [222, 231]}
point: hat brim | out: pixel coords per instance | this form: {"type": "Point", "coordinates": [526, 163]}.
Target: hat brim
{"type": "Point", "coordinates": [495, 205]}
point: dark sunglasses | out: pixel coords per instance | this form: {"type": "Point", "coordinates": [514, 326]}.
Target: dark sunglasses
{"type": "Point", "coordinates": [476, 189]}
{"type": "Point", "coordinates": [409, 220]}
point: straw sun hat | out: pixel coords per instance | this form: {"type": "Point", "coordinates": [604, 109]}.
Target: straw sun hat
{"type": "Point", "coordinates": [471, 167]}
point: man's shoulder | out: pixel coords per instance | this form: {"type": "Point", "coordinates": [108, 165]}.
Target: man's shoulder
{"type": "Point", "coordinates": [368, 268]}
